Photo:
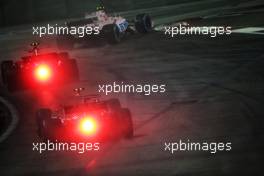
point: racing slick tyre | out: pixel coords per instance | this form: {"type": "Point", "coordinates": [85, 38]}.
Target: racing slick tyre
{"type": "Point", "coordinates": [42, 117]}
{"type": "Point", "coordinates": [128, 124]}
{"type": "Point", "coordinates": [64, 55]}
{"type": "Point", "coordinates": [6, 67]}
{"type": "Point", "coordinates": [112, 34]}
{"type": "Point", "coordinates": [13, 82]}
{"type": "Point", "coordinates": [143, 23]}
{"type": "Point", "coordinates": [65, 42]}
{"type": "Point", "coordinates": [73, 70]}
{"type": "Point", "coordinates": [114, 104]}
{"type": "Point", "coordinates": [10, 76]}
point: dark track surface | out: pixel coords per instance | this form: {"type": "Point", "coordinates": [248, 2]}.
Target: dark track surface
{"type": "Point", "coordinates": [214, 93]}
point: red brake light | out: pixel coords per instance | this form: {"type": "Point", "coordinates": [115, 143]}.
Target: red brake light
{"type": "Point", "coordinates": [88, 126]}
{"type": "Point", "coordinates": [43, 72]}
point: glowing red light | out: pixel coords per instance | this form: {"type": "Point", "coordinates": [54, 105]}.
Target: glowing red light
{"type": "Point", "coordinates": [43, 72]}
{"type": "Point", "coordinates": [88, 126]}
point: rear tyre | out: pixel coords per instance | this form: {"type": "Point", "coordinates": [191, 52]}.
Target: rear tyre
{"type": "Point", "coordinates": [13, 81]}
{"type": "Point", "coordinates": [65, 42]}
{"type": "Point", "coordinates": [6, 68]}
{"type": "Point", "coordinates": [128, 124]}
{"type": "Point", "coordinates": [12, 84]}
{"type": "Point", "coordinates": [64, 55]}
{"type": "Point", "coordinates": [70, 70]}
{"type": "Point", "coordinates": [74, 70]}
{"type": "Point", "coordinates": [143, 23]}
{"type": "Point", "coordinates": [42, 118]}
{"type": "Point", "coordinates": [112, 34]}
{"type": "Point", "coordinates": [10, 76]}
{"type": "Point", "coordinates": [114, 105]}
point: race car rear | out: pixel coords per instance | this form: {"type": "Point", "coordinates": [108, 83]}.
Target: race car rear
{"type": "Point", "coordinates": [98, 121]}
{"type": "Point", "coordinates": [105, 27]}
{"type": "Point", "coordinates": [39, 71]}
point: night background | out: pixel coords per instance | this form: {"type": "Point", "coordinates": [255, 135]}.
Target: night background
{"type": "Point", "coordinates": [214, 88]}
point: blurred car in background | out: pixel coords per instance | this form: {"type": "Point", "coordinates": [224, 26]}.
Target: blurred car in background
{"type": "Point", "coordinates": [39, 70]}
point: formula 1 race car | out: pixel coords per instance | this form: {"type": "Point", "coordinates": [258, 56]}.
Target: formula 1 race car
{"type": "Point", "coordinates": [38, 70]}
{"type": "Point", "coordinates": [91, 119]}
{"type": "Point", "coordinates": [109, 28]}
